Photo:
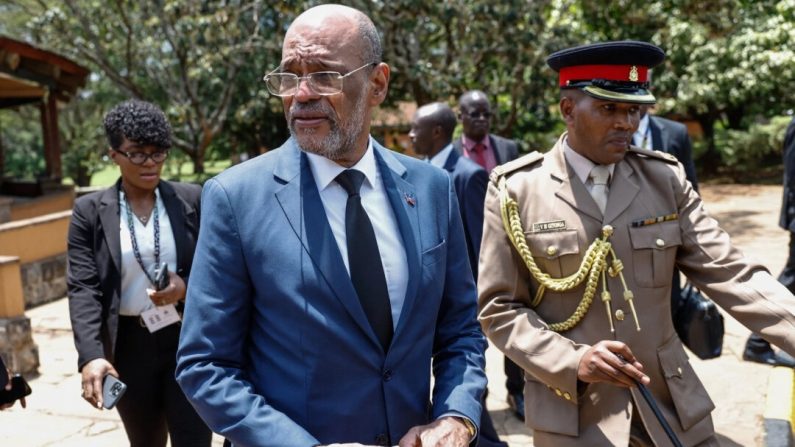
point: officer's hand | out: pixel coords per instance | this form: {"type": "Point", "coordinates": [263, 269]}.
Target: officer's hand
{"type": "Point", "coordinates": [601, 363]}
{"type": "Point", "coordinates": [93, 374]}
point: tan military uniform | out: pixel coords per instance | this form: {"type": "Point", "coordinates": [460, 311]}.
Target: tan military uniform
{"type": "Point", "coordinates": [645, 185]}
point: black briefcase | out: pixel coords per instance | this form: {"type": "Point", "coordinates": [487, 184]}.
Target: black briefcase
{"type": "Point", "coordinates": [698, 323]}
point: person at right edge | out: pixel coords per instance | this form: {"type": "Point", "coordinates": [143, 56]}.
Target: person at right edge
{"type": "Point", "coordinates": [757, 349]}
{"type": "Point", "coordinates": [577, 291]}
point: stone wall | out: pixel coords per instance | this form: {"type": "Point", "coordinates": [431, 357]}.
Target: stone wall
{"type": "Point", "coordinates": [44, 281]}
{"type": "Point", "coordinates": [19, 352]}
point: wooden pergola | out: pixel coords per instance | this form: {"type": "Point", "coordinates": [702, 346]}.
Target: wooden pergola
{"type": "Point", "coordinates": [30, 75]}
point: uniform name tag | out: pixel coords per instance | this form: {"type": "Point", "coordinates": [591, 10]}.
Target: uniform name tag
{"type": "Point", "coordinates": [555, 225]}
{"type": "Point", "coordinates": [159, 317]}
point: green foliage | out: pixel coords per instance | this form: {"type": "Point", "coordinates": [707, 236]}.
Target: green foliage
{"type": "Point", "coordinates": [21, 141]}
{"type": "Point", "coordinates": [760, 145]}
{"type": "Point", "coordinates": [729, 63]}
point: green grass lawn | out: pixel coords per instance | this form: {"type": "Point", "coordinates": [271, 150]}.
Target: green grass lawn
{"type": "Point", "coordinates": [182, 172]}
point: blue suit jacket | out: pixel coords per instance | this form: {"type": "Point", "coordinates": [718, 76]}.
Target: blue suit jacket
{"type": "Point", "coordinates": [276, 349]}
{"type": "Point", "coordinates": [470, 181]}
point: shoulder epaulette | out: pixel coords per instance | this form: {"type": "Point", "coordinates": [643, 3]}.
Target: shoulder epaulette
{"type": "Point", "coordinates": [664, 156]}
{"type": "Point", "coordinates": [514, 165]}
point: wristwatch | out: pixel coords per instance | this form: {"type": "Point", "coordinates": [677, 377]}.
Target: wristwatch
{"type": "Point", "coordinates": [470, 426]}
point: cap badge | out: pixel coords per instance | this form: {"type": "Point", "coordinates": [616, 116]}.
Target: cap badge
{"type": "Point", "coordinates": [633, 74]}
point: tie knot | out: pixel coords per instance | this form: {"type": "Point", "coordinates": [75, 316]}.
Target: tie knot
{"type": "Point", "coordinates": [599, 175]}
{"type": "Point", "coordinates": [350, 180]}
{"type": "Point", "coordinates": [480, 147]}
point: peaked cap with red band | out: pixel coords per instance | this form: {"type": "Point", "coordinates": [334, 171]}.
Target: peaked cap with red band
{"type": "Point", "coordinates": [613, 71]}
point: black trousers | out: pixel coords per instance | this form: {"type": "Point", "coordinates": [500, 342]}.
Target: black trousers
{"type": "Point", "coordinates": [514, 377]}
{"type": "Point", "coordinates": [154, 406]}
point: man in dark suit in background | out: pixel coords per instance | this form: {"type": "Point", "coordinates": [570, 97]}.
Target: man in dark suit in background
{"type": "Point", "coordinates": [661, 134]}
{"type": "Point", "coordinates": [758, 349]}
{"type": "Point", "coordinates": [489, 150]}
{"type": "Point", "coordinates": [432, 137]}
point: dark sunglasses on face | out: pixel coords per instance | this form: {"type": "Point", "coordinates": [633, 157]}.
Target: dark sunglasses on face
{"type": "Point", "coordinates": [139, 158]}
{"type": "Point", "coordinates": [475, 114]}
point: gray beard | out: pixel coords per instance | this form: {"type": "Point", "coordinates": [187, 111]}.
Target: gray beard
{"type": "Point", "coordinates": [342, 136]}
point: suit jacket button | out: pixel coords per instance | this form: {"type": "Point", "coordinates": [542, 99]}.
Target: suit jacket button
{"type": "Point", "coordinates": [382, 439]}
{"type": "Point", "coordinates": [387, 376]}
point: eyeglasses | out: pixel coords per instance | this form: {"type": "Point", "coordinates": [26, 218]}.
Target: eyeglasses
{"type": "Point", "coordinates": [477, 114]}
{"type": "Point", "coordinates": [139, 158]}
{"type": "Point", "coordinates": [323, 83]}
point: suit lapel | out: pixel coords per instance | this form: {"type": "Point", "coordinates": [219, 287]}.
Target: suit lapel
{"type": "Point", "coordinates": [176, 215]}
{"type": "Point", "coordinates": [499, 157]}
{"type": "Point", "coordinates": [300, 201]}
{"type": "Point", "coordinates": [658, 142]}
{"type": "Point", "coordinates": [403, 199]}
{"type": "Point", "coordinates": [452, 160]}
{"type": "Point", "coordinates": [109, 218]}
{"type": "Point", "coordinates": [571, 189]}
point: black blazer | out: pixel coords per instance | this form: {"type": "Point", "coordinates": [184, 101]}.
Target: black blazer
{"type": "Point", "coordinates": [787, 219]}
{"type": "Point", "coordinates": [505, 150]}
{"type": "Point", "coordinates": [671, 137]}
{"type": "Point", "coordinates": [94, 261]}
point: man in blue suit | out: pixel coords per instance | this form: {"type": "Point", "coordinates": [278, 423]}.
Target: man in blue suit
{"type": "Point", "coordinates": [331, 276]}
{"type": "Point", "coordinates": [431, 137]}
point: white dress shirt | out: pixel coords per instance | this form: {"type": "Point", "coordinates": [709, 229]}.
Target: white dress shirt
{"type": "Point", "coordinates": [440, 159]}
{"type": "Point", "coordinates": [642, 137]}
{"type": "Point", "coordinates": [376, 203]}
{"type": "Point", "coordinates": [134, 282]}
{"type": "Point", "coordinates": [581, 165]}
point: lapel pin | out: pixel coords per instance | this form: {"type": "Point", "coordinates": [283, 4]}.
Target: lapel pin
{"type": "Point", "coordinates": [409, 199]}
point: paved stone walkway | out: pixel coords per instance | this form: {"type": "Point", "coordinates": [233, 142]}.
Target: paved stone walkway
{"type": "Point", "coordinates": [57, 415]}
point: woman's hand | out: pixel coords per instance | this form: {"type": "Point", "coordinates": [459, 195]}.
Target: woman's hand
{"type": "Point", "coordinates": [174, 292]}
{"type": "Point", "coordinates": [93, 374]}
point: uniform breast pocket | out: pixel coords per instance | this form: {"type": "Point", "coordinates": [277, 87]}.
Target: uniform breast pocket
{"type": "Point", "coordinates": [654, 253]}
{"type": "Point", "coordinates": [556, 253]}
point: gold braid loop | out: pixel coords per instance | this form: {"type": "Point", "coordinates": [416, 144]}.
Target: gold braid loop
{"type": "Point", "coordinates": [592, 267]}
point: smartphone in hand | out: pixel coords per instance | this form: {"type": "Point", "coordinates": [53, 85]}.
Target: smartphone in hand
{"type": "Point", "coordinates": [19, 389]}
{"type": "Point", "coordinates": [112, 390]}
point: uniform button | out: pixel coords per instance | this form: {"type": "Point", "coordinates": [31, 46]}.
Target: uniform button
{"type": "Point", "coordinates": [551, 250]}
{"type": "Point", "coordinates": [387, 375]}
{"type": "Point", "coordinates": [660, 243]}
{"type": "Point", "coordinates": [620, 315]}
{"type": "Point", "coordinates": [382, 439]}
{"type": "Point", "coordinates": [567, 396]}
{"type": "Point", "coordinates": [558, 392]}
{"type": "Point", "coordinates": [679, 370]}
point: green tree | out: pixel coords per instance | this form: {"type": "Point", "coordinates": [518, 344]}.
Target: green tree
{"type": "Point", "coordinates": [185, 55]}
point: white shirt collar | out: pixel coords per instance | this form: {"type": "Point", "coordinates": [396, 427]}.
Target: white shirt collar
{"type": "Point", "coordinates": [440, 159]}
{"type": "Point", "coordinates": [582, 166]}
{"type": "Point", "coordinates": [643, 127]}
{"type": "Point", "coordinates": [325, 170]}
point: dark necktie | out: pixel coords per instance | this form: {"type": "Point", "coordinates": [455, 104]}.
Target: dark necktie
{"type": "Point", "coordinates": [479, 155]}
{"type": "Point", "coordinates": [364, 259]}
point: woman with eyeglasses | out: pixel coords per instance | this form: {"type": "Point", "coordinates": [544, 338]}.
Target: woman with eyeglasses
{"type": "Point", "coordinates": [124, 305]}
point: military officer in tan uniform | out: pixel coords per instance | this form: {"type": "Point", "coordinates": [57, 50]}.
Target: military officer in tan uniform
{"type": "Point", "coordinates": [579, 245]}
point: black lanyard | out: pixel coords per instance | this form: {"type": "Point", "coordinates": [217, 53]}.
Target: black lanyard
{"type": "Point", "coordinates": [136, 251]}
